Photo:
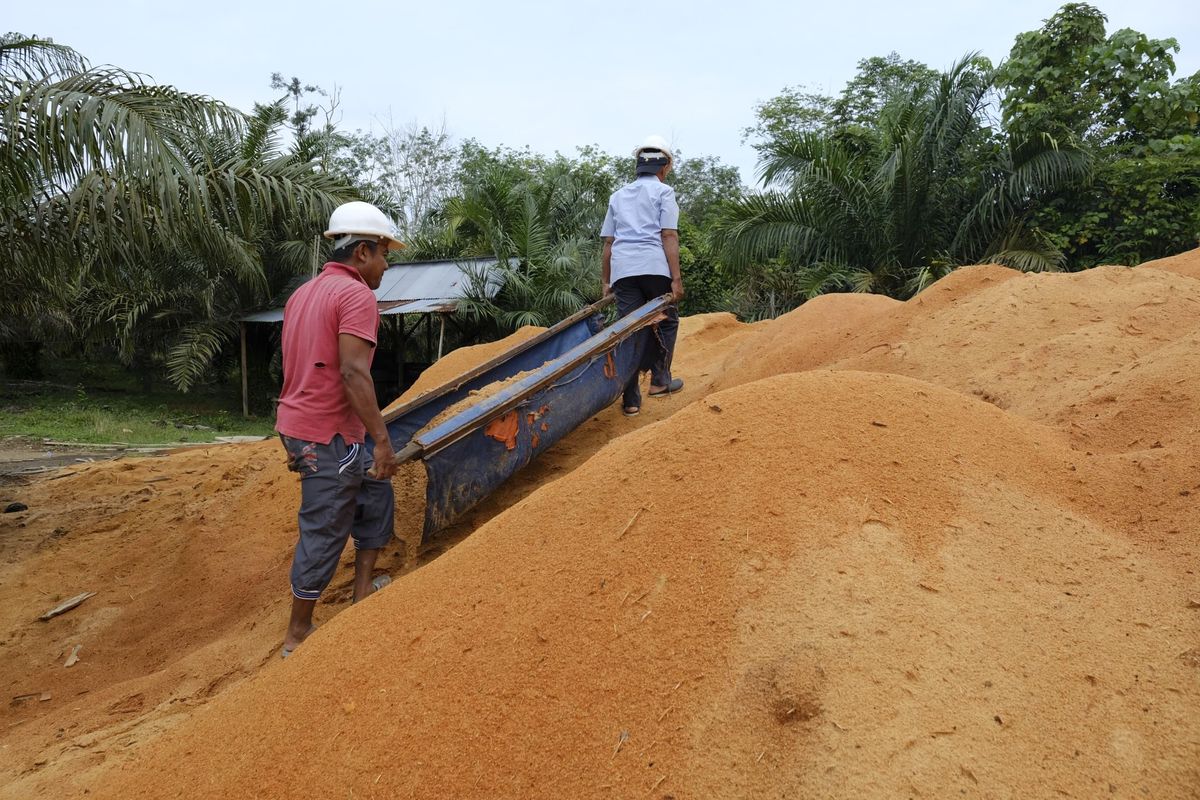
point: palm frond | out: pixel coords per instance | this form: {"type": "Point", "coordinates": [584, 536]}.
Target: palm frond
{"type": "Point", "coordinates": [194, 350]}
{"type": "Point", "coordinates": [29, 58]}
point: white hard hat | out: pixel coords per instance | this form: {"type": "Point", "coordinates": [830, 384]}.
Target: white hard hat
{"type": "Point", "coordinates": [359, 220]}
{"type": "Point", "coordinates": [654, 142]}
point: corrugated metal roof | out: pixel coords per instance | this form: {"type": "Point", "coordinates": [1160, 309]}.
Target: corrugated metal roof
{"type": "Point", "coordinates": [420, 287]}
{"type": "Point", "coordinates": [274, 315]}
{"type": "Point", "coordinates": [418, 307]}
{"type": "Point", "coordinates": [434, 280]}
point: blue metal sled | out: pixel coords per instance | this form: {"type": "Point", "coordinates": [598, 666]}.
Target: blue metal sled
{"type": "Point", "coordinates": [576, 369]}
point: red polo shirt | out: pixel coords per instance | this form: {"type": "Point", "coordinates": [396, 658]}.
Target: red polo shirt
{"type": "Point", "coordinates": [313, 405]}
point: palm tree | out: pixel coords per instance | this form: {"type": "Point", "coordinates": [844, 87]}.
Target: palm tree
{"type": "Point", "coordinates": [936, 189]}
{"type": "Point", "coordinates": [150, 212]}
{"type": "Point", "coordinates": [542, 227]}
{"type": "Point", "coordinates": [71, 140]}
{"type": "Point", "coordinates": [180, 303]}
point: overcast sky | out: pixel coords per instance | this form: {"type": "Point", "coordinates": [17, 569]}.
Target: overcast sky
{"type": "Point", "coordinates": [555, 75]}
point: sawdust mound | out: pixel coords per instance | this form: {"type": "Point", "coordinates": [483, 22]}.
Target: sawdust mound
{"type": "Point", "coordinates": [873, 549]}
{"type": "Point", "coordinates": [802, 339]}
{"type": "Point", "coordinates": [1186, 264]}
{"type": "Point", "coordinates": [1031, 344]}
{"type": "Point", "coordinates": [897, 590]}
{"type": "Point", "coordinates": [185, 554]}
{"type": "Point", "coordinates": [189, 558]}
{"type": "Point", "coordinates": [460, 361]}
{"type": "Point", "coordinates": [473, 397]}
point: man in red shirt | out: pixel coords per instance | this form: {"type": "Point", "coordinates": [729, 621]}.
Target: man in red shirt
{"type": "Point", "coordinates": [327, 405]}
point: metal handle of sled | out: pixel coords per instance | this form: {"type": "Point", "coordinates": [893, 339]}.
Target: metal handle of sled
{"type": "Point", "coordinates": [515, 350]}
{"type": "Point", "coordinates": [477, 416]}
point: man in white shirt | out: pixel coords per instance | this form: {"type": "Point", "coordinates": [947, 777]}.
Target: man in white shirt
{"type": "Point", "coordinates": [641, 262]}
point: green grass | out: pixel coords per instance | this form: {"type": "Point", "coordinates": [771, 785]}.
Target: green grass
{"type": "Point", "coordinates": [107, 416]}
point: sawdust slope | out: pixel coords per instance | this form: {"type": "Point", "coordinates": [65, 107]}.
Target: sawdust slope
{"type": "Point", "coordinates": [189, 557]}
{"type": "Point", "coordinates": [178, 583]}
{"type": "Point", "coordinates": [1186, 264]}
{"type": "Point", "coordinates": [1131, 410]}
{"type": "Point", "coordinates": [458, 362]}
{"type": "Point", "coordinates": [1108, 356]}
{"type": "Point", "coordinates": [842, 584]}
{"type": "Point", "coordinates": [705, 340]}
{"type": "Point", "coordinates": [1032, 344]}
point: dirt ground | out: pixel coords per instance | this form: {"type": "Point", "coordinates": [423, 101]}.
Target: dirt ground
{"type": "Point", "coordinates": [22, 457]}
{"type": "Point", "coordinates": [873, 549]}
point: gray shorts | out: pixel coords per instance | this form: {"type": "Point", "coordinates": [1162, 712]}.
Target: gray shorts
{"type": "Point", "coordinates": [337, 500]}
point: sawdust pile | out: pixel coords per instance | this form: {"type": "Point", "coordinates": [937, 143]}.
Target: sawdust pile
{"type": "Point", "coordinates": [874, 549]}
{"type": "Point", "coordinates": [473, 397]}
{"type": "Point", "coordinates": [458, 361]}
{"type": "Point", "coordinates": [1186, 264]}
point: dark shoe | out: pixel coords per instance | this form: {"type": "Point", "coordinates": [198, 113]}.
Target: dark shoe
{"type": "Point", "coordinates": [674, 386]}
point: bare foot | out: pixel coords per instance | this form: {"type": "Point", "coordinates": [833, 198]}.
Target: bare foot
{"type": "Point", "coordinates": [291, 642]}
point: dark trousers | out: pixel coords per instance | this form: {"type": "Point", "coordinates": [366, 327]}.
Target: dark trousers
{"type": "Point", "coordinates": [632, 293]}
{"type": "Point", "coordinates": [337, 500]}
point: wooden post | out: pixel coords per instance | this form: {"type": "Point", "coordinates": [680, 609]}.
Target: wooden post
{"type": "Point", "coordinates": [441, 337]}
{"type": "Point", "coordinates": [429, 336]}
{"type": "Point", "coordinates": [245, 377]}
{"type": "Point", "coordinates": [399, 344]}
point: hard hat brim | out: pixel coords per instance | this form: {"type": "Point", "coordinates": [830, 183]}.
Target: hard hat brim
{"type": "Point", "coordinates": [671, 156]}
{"type": "Point", "coordinates": [392, 244]}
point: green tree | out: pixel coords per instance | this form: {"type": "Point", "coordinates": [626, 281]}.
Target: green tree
{"type": "Point", "coordinates": [1070, 79]}
{"type": "Point", "coordinates": [298, 94]}
{"type": "Point", "coordinates": [419, 172]}
{"type": "Point", "coordinates": [938, 190]}
{"type": "Point", "coordinates": [793, 111]}
{"type": "Point", "coordinates": [122, 199]}
{"type": "Point", "coordinates": [852, 116]}
{"type": "Point", "coordinates": [541, 216]}
{"type": "Point", "coordinates": [708, 287]}
{"type": "Point", "coordinates": [879, 82]}
{"type": "Point", "coordinates": [541, 223]}
{"type": "Point", "coordinates": [702, 185]}
{"type": "Point", "coordinates": [178, 305]}
{"type": "Point", "coordinates": [70, 135]}
{"type": "Point", "coordinates": [1115, 94]}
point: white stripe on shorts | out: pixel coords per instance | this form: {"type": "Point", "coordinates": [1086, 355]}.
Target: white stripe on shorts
{"type": "Point", "coordinates": [351, 456]}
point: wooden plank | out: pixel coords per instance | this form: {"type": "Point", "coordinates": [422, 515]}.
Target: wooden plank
{"type": "Point", "coordinates": [66, 605]}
